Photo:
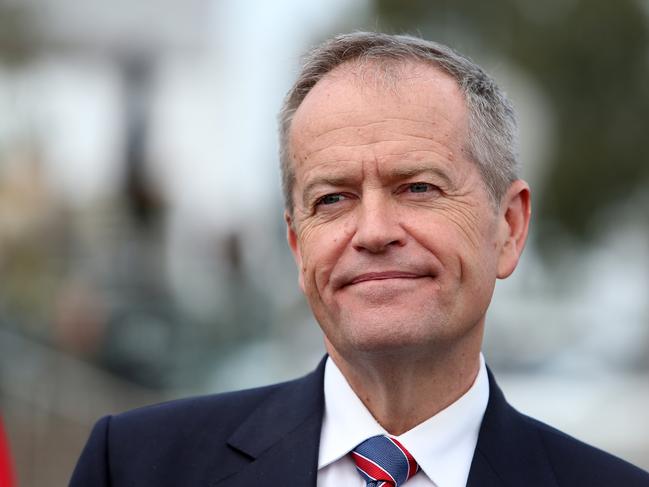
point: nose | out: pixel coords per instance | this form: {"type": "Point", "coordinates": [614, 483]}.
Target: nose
{"type": "Point", "coordinates": [378, 227]}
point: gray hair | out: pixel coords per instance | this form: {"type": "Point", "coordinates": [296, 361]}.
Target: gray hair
{"type": "Point", "coordinates": [492, 134]}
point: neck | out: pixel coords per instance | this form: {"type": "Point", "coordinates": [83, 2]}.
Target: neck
{"type": "Point", "coordinates": [404, 389]}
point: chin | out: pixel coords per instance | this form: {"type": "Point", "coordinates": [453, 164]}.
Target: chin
{"type": "Point", "coordinates": [384, 334]}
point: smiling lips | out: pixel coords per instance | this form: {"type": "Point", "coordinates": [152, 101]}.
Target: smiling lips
{"type": "Point", "coordinates": [379, 276]}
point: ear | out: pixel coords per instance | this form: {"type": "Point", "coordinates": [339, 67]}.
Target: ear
{"type": "Point", "coordinates": [292, 239]}
{"type": "Point", "coordinates": [514, 220]}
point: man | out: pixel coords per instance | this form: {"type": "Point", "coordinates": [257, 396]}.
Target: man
{"type": "Point", "coordinates": [403, 207]}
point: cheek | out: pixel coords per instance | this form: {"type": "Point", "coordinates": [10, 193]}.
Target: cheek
{"type": "Point", "coordinates": [321, 250]}
{"type": "Point", "coordinates": [473, 227]}
{"type": "Point", "coordinates": [463, 243]}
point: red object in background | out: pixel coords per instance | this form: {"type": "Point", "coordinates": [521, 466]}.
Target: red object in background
{"type": "Point", "coordinates": [6, 472]}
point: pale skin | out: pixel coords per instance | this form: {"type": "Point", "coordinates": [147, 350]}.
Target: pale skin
{"type": "Point", "coordinates": [397, 241]}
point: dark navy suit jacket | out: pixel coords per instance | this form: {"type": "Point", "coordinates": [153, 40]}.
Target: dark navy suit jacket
{"type": "Point", "coordinates": [270, 435]}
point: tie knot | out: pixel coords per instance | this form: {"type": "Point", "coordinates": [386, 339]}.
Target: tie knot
{"type": "Point", "coordinates": [384, 462]}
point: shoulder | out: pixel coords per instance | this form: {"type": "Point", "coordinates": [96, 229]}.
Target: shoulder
{"type": "Point", "coordinates": [214, 416]}
{"type": "Point", "coordinates": [577, 463]}
{"type": "Point", "coordinates": [525, 451]}
{"type": "Point", "coordinates": [180, 442]}
{"type": "Point", "coordinates": [192, 441]}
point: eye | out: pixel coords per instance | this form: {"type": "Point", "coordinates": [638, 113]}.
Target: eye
{"type": "Point", "coordinates": [330, 199]}
{"type": "Point", "coordinates": [420, 187]}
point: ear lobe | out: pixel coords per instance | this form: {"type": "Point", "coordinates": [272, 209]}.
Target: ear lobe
{"type": "Point", "coordinates": [514, 217]}
{"type": "Point", "coordinates": [293, 244]}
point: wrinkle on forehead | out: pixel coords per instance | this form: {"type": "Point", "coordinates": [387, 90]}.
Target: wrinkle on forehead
{"type": "Point", "coordinates": [372, 130]}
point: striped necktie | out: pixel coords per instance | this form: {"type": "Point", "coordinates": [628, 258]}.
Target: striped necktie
{"type": "Point", "coordinates": [384, 462]}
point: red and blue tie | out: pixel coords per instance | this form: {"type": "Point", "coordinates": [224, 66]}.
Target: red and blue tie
{"type": "Point", "coordinates": [384, 462]}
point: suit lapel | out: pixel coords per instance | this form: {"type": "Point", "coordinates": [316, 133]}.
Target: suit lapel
{"type": "Point", "coordinates": [281, 437]}
{"type": "Point", "coordinates": [509, 450]}
{"type": "Point", "coordinates": [482, 474]}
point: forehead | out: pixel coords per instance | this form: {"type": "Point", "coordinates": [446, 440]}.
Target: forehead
{"type": "Point", "coordinates": [368, 96]}
{"type": "Point", "coordinates": [360, 112]}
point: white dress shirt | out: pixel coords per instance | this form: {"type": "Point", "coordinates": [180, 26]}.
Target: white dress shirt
{"type": "Point", "coordinates": [442, 445]}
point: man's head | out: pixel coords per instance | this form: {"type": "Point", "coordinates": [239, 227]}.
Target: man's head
{"type": "Point", "coordinates": [399, 232]}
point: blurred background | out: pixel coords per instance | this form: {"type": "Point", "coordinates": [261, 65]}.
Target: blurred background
{"type": "Point", "coordinates": [142, 248]}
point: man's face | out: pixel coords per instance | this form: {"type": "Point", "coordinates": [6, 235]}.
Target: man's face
{"type": "Point", "coordinates": [396, 239]}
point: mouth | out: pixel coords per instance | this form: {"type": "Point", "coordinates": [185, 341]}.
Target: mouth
{"type": "Point", "coordinates": [380, 276]}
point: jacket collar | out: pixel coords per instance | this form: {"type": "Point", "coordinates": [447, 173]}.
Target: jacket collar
{"type": "Point", "coordinates": [282, 435]}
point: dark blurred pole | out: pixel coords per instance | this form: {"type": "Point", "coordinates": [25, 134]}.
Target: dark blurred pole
{"type": "Point", "coordinates": [143, 202]}
{"type": "Point", "coordinates": [141, 333]}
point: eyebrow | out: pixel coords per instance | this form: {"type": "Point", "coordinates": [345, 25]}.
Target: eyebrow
{"type": "Point", "coordinates": [407, 172]}
{"type": "Point", "coordinates": [329, 180]}
{"type": "Point", "coordinates": [395, 174]}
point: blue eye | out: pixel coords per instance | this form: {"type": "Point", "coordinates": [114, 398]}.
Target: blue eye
{"type": "Point", "coordinates": [330, 199]}
{"type": "Point", "coordinates": [420, 187]}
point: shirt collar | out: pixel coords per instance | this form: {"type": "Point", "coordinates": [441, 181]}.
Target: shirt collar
{"type": "Point", "coordinates": [442, 445]}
